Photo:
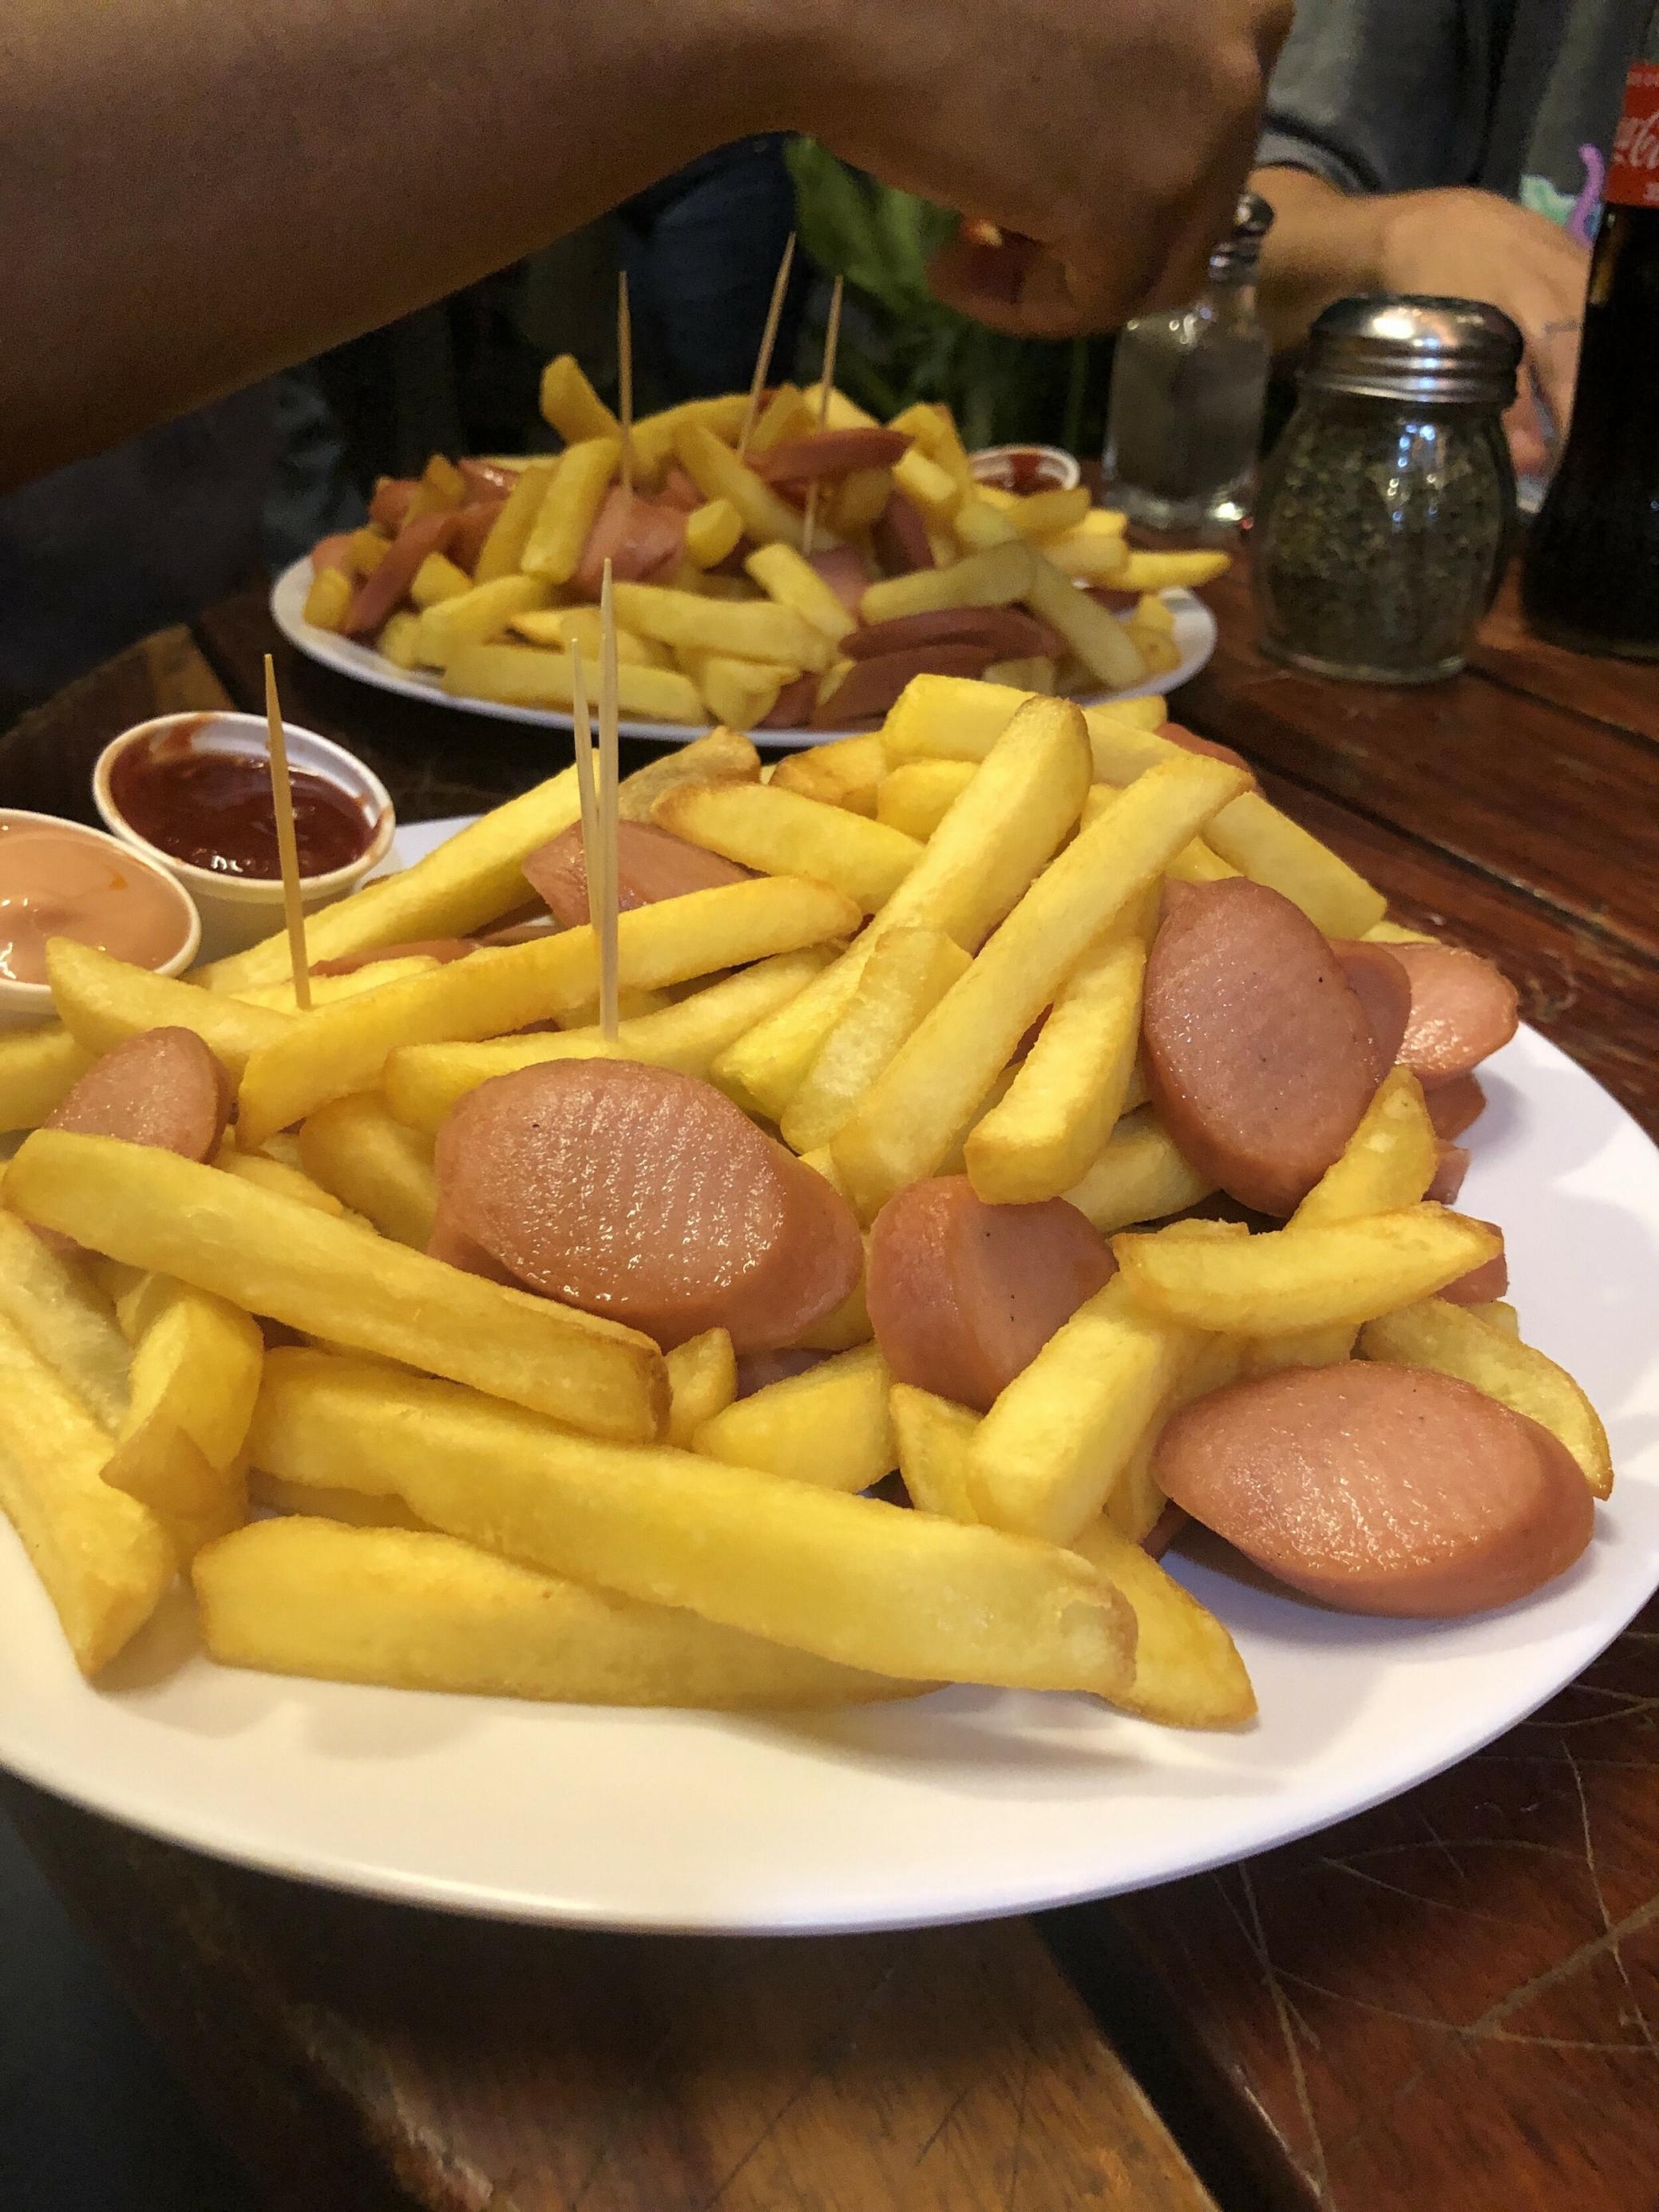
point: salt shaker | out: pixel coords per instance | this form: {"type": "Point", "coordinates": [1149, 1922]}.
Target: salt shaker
{"type": "Point", "coordinates": [1387, 510]}
{"type": "Point", "coordinates": [1184, 425]}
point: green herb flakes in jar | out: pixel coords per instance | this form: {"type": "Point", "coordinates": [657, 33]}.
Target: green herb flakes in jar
{"type": "Point", "coordinates": [1387, 511]}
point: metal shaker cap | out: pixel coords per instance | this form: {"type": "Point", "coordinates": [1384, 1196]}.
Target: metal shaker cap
{"type": "Point", "coordinates": [1237, 254]}
{"type": "Point", "coordinates": [1415, 346]}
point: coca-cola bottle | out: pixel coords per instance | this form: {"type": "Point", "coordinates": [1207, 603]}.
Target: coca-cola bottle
{"type": "Point", "coordinates": [1591, 578]}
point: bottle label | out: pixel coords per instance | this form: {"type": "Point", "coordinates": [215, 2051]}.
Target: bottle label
{"type": "Point", "coordinates": [1633, 174]}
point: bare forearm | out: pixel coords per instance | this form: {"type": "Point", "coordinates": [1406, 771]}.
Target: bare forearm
{"type": "Point", "coordinates": [193, 195]}
{"type": "Point", "coordinates": [1324, 244]}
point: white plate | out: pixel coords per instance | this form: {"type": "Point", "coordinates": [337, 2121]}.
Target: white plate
{"type": "Point", "coordinates": [1194, 637]}
{"type": "Point", "coordinates": [966, 1803]}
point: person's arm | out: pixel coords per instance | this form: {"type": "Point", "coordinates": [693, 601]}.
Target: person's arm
{"type": "Point", "coordinates": [193, 194]}
{"type": "Point", "coordinates": [1325, 244]}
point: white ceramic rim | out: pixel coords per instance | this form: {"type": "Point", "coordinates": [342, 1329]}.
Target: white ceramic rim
{"type": "Point", "coordinates": [23, 998]}
{"type": "Point", "coordinates": [250, 889]}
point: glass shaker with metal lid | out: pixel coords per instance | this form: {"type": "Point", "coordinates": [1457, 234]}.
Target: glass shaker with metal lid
{"type": "Point", "coordinates": [1187, 390]}
{"type": "Point", "coordinates": [1387, 510]}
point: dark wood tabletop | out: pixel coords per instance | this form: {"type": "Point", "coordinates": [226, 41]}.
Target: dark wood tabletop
{"type": "Point", "coordinates": [1452, 2000]}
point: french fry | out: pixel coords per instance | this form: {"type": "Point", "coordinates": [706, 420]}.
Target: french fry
{"type": "Point", "coordinates": [553, 549]}
{"type": "Point", "coordinates": [739, 693]}
{"type": "Point", "coordinates": [712, 533]}
{"type": "Point", "coordinates": [481, 611]}
{"type": "Point", "coordinates": [858, 500]}
{"type": "Point", "coordinates": [349, 1507]}
{"type": "Point", "coordinates": [328, 599]}
{"type": "Point", "coordinates": [1035, 672]}
{"type": "Point", "coordinates": [949, 718]}
{"type": "Point", "coordinates": [917, 795]}
{"type": "Point", "coordinates": [1196, 863]}
{"type": "Point", "coordinates": [771, 827]}
{"type": "Point", "coordinates": [563, 626]}
{"type": "Point", "coordinates": [415, 1610]}
{"type": "Point", "coordinates": [341, 1049]}
{"type": "Point", "coordinates": [751, 629]}
{"type": "Point", "coordinates": [400, 640]}
{"type": "Point", "coordinates": [1098, 638]}
{"type": "Point", "coordinates": [830, 1427]}
{"type": "Point", "coordinates": [1285, 1280]}
{"type": "Point", "coordinates": [64, 1319]}
{"type": "Point", "coordinates": [1042, 515]}
{"type": "Point", "coordinates": [934, 490]}
{"type": "Point", "coordinates": [1162, 572]}
{"type": "Point", "coordinates": [841, 1331]}
{"type": "Point", "coordinates": [325, 990]}
{"type": "Point", "coordinates": [372, 1163]}
{"type": "Point", "coordinates": [526, 675]}
{"type": "Point", "coordinates": [1499, 1313]}
{"type": "Point", "coordinates": [1089, 555]}
{"type": "Point", "coordinates": [905, 1123]}
{"type": "Point", "coordinates": [368, 548]}
{"type": "Point", "coordinates": [1067, 1094]}
{"type": "Point", "coordinates": [333, 1280]}
{"type": "Point", "coordinates": [103, 1001]}
{"type": "Point", "coordinates": [933, 1436]}
{"type": "Point", "coordinates": [1140, 1176]}
{"type": "Point", "coordinates": [1045, 1457]}
{"type": "Point", "coordinates": [196, 1369]}
{"type": "Point", "coordinates": [1159, 653]}
{"type": "Point", "coordinates": [572, 407]}
{"type": "Point", "coordinates": [424, 1082]}
{"type": "Point", "coordinates": [984, 854]}
{"type": "Point", "coordinates": [1393, 933]}
{"type": "Point", "coordinates": [719, 474]}
{"type": "Point", "coordinates": [656, 437]}
{"type": "Point", "coordinates": [932, 428]}
{"type": "Point", "coordinates": [1188, 1670]}
{"type": "Point", "coordinates": [848, 1579]}
{"type": "Point", "coordinates": [785, 415]}
{"type": "Point", "coordinates": [702, 1381]}
{"type": "Point", "coordinates": [503, 550]}
{"type": "Point", "coordinates": [994, 577]}
{"type": "Point", "coordinates": [907, 975]}
{"type": "Point", "coordinates": [839, 412]}
{"type": "Point", "coordinates": [786, 576]}
{"type": "Point", "coordinates": [436, 580]}
{"type": "Point", "coordinates": [1389, 1162]}
{"type": "Point", "coordinates": [470, 880]}
{"type": "Point", "coordinates": [1270, 848]}
{"type": "Point", "coordinates": [1454, 1339]}
{"type": "Point", "coordinates": [723, 756]}
{"type": "Point", "coordinates": [103, 1558]}
{"type": "Point", "coordinates": [846, 772]}
{"type": "Point", "coordinates": [286, 1182]}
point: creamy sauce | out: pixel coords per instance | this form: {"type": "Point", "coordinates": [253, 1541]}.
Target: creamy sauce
{"type": "Point", "coordinates": [60, 881]}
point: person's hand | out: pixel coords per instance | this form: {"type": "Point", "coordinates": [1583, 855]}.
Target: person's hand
{"type": "Point", "coordinates": [1481, 248]}
{"type": "Point", "coordinates": [1107, 138]}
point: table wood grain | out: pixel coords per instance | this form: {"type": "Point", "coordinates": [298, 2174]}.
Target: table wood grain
{"type": "Point", "coordinates": [1450, 2000]}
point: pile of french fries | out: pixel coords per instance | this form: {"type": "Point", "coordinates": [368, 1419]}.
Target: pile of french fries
{"type": "Point", "coordinates": [745, 616]}
{"type": "Point", "coordinates": [437, 1482]}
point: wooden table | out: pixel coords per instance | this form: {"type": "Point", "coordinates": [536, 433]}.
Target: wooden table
{"type": "Point", "coordinates": [1452, 2000]}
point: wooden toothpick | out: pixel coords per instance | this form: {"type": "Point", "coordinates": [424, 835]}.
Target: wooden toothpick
{"type": "Point", "coordinates": [769, 340]}
{"type": "Point", "coordinates": [826, 386]}
{"type": "Point", "coordinates": [611, 890]}
{"type": "Point", "coordinates": [625, 379]}
{"type": "Point", "coordinates": [581, 734]}
{"type": "Point", "coordinates": [288, 850]}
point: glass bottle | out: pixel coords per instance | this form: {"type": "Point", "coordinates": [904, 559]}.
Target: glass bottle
{"type": "Point", "coordinates": [1387, 511]}
{"type": "Point", "coordinates": [1184, 425]}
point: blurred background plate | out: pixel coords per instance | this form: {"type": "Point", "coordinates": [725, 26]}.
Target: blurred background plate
{"type": "Point", "coordinates": [1195, 638]}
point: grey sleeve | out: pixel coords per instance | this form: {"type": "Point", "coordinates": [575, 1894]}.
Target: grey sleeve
{"type": "Point", "coordinates": [1383, 96]}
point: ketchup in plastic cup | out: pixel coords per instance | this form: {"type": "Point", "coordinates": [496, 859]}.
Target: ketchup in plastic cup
{"type": "Point", "coordinates": [192, 792]}
{"type": "Point", "coordinates": [1025, 469]}
{"type": "Point", "coordinates": [60, 879]}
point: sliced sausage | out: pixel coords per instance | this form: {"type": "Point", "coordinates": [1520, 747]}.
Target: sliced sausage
{"type": "Point", "coordinates": [473, 524]}
{"type": "Point", "coordinates": [1260, 1058]}
{"type": "Point", "coordinates": [798, 462]}
{"type": "Point", "coordinates": [523, 932]}
{"type": "Point", "coordinates": [1010, 633]}
{"type": "Point", "coordinates": [792, 706]}
{"type": "Point", "coordinates": [1450, 1167]}
{"type": "Point", "coordinates": [680, 489]}
{"type": "Point", "coordinates": [1379, 1489]}
{"type": "Point", "coordinates": [652, 863]}
{"type": "Point", "coordinates": [487, 480]}
{"type": "Point", "coordinates": [390, 505]}
{"type": "Point", "coordinates": [162, 1087]}
{"type": "Point", "coordinates": [846, 571]}
{"type": "Point", "coordinates": [1491, 1279]}
{"type": "Point", "coordinates": [1383, 990]}
{"type": "Point", "coordinates": [1189, 741]}
{"type": "Point", "coordinates": [1463, 1009]}
{"type": "Point", "coordinates": [871, 686]}
{"type": "Point", "coordinates": [456, 1248]}
{"type": "Point", "coordinates": [647, 1196]}
{"type": "Point", "coordinates": [1455, 1106]}
{"type": "Point", "coordinates": [899, 538]}
{"type": "Point", "coordinates": [441, 949]}
{"type": "Point", "coordinates": [332, 552]}
{"type": "Point", "coordinates": [1163, 1531]}
{"type": "Point", "coordinates": [962, 1295]}
{"type": "Point", "coordinates": [641, 539]}
{"type": "Point", "coordinates": [380, 592]}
